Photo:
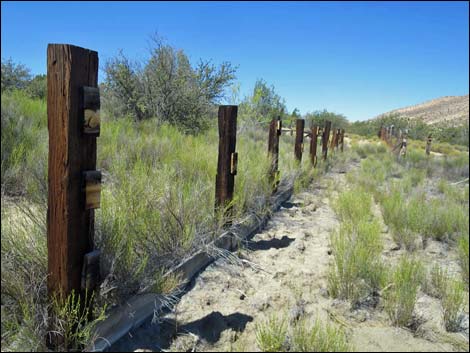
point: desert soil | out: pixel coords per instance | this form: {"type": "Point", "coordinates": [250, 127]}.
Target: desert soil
{"type": "Point", "coordinates": [283, 270]}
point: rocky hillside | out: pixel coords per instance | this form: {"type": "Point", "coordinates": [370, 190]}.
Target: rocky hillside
{"type": "Point", "coordinates": [450, 109]}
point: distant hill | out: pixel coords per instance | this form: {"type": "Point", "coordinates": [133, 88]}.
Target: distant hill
{"type": "Point", "coordinates": [450, 109]}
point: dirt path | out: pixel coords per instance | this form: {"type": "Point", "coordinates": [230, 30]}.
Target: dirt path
{"type": "Point", "coordinates": [283, 271]}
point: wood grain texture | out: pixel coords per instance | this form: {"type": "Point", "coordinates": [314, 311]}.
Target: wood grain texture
{"type": "Point", "coordinates": [69, 226]}
{"type": "Point", "coordinates": [299, 139]}
{"type": "Point", "coordinates": [225, 180]}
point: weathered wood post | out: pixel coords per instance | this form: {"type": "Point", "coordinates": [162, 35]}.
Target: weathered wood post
{"type": "Point", "coordinates": [273, 151]}
{"type": "Point", "coordinates": [333, 139]}
{"type": "Point", "coordinates": [342, 140]}
{"type": "Point", "coordinates": [227, 158]}
{"type": "Point", "coordinates": [74, 184]}
{"type": "Point", "coordinates": [299, 139]}
{"type": "Point", "coordinates": [325, 138]}
{"type": "Point", "coordinates": [313, 145]}
{"type": "Point", "coordinates": [338, 137]}
{"type": "Point", "coordinates": [428, 145]}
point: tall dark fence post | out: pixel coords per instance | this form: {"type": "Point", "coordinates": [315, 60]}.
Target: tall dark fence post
{"type": "Point", "coordinates": [299, 139]}
{"type": "Point", "coordinates": [313, 146]}
{"type": "Point", "coordinates": [342, 140]}
{"type": "Point", "coordinates": [227, 158]}
{"type": "Point", "coordinates": [73, 183]}
{"type": "Point", "coordinates": [325, 138]}
{"type": "Point", "coordinates": [273, 151]}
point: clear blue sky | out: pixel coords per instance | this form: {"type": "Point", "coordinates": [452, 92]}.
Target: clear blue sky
{"type": "Point", "coordinates": [360, 59]}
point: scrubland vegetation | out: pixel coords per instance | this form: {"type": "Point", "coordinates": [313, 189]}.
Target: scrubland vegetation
{"type": "Point", "coordinates": [158, 159]}
{"type": "Point", "coordinates": [421, 199]}
{"type": "Point", "coordinates": [158, 153]}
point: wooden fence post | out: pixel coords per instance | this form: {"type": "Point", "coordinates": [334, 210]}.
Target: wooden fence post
{"type": "Point", "coordinates": [273, 151]}
{"type": "Point", "coordinates": [313, 145]}
{"type": "Point", "coordinates": [428, 145]}
{"type": "Point", "coordinates": [325, 138]}
{"type": "Point", "coordinates": [333, 139]}
{"type": "Point", "coordinates": [73, 124]}
{"type": "Point", "coordinates": [227, 158]}
{"type": "Point", "coordinates": [299, 139]}
{"type": "Point", "coordinates": [342, 140]}
{"type": "Point", "coordinates": [338, 137]}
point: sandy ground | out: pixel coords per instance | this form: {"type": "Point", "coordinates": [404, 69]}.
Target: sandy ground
{"type": "Point", "coordinates": [284, 271]}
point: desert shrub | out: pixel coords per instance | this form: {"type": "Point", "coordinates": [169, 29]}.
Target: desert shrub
{"type": "Point", "coordinates": [24, 145]}
{"type": "Point", "coordinates": [464, 256]}
{"type": "Point", "coordinates": [453, 301]}
{"type": "Point", "coordinates": [353, 206]}
{"type": "Point", "coordinates": [400, 299]}
{"type": "Point", "coordinates": [445, 220]}
{"type": "Point", "coordinates": [271, 334]}
{"type": "Point", "coordinates": [357, 269]}
{"type": "Point", "coordinates": [166, 87]}
{"type": "Point", "coordinates": [318, 338]}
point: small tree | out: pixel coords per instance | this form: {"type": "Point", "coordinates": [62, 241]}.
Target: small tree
{"type": "Point", "coordinates": [14, 76]}
{"type": "Point", "coordinates": [166, 86]}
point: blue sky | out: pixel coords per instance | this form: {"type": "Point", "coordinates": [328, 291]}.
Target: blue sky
{"type": "Point", "coordinates": [355, 58]}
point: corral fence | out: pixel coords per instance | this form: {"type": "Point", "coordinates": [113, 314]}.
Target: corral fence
{"type": "Point", "coordinates": [73, 111]}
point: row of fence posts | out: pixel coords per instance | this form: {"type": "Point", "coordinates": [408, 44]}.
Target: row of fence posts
{"type": "Point", "coordinates": [74, 184]}
{"type": "Point", "coordinates": [387, 134]}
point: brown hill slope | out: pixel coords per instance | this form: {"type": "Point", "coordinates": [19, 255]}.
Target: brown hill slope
{"type": "Point", "coordinates": [450, 109]}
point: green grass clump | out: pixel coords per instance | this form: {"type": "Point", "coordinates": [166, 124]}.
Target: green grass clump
{"type": "Point", "coordinates": [439, 281]}
{"type": "Point", "coordinates": [357, 269]}
{"type": "Point", "coordinates": [400, 299]}
{"type": "Point", "coordinates": [271, 334]}
{"type": "Point", "coordinates": [318, 338]}
{"type": "Point", "coordinates": [353, 206]}
{"type": "Point", "coordinates": [24, 146]}
{"type": "Point", "coordinates": [445, 220]}
{"type": "Point", "coordinates": [463, 252]}
{"type": "Point", "coordinates": [453, 301]}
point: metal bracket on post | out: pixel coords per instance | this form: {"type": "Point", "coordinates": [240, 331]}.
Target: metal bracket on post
{"type": "Point", "coordinates": [91, 110]}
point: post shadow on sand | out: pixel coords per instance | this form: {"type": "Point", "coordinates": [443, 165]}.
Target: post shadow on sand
{"type": "Point", "coordinates": [208, 329]}
{"type": "Point", "coordinates": [274, 243]}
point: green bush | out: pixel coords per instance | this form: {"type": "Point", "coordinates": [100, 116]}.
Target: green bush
{"type": "Point", "coordinates": [463, 252]}
{"type": "Point", "coordinates": [318, 338]}
{"type": "Point", "coordinates": [357, 269]}
{"type": "Point", "coordinates": [453, 302]}
{"type": "Point", "coordinates": [271, 334]}
{"type": "Point", "coordinates": [400, 299]}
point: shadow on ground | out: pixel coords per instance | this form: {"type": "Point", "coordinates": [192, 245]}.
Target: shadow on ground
{"type": "Point", "coordinates": [208, 329]}
{"type": "Point", "coordinates": [274, 243]}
